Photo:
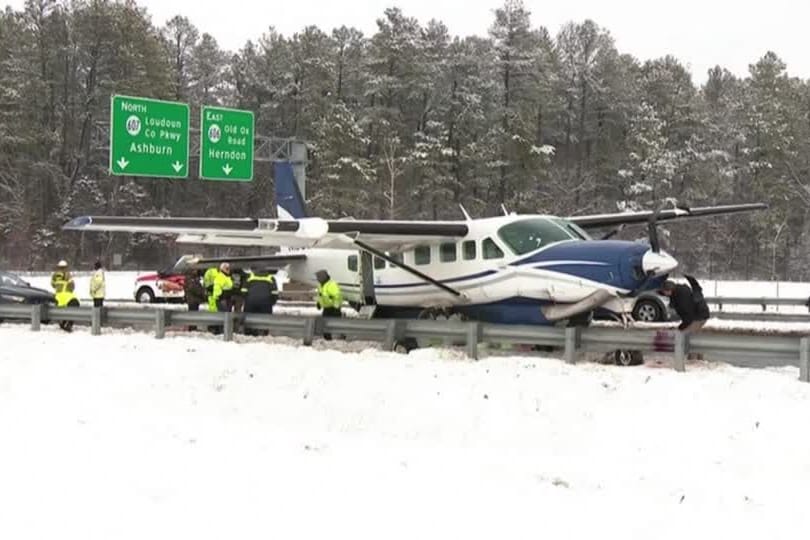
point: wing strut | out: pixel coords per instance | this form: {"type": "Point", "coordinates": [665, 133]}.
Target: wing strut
{"type": "Point", "coordinates": [362, 245]}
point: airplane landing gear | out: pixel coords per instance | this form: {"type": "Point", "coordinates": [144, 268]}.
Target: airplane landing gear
{"type": "Point", "coordinates": [582, 320]}
{"type": "Point", "coordinates": [626, 357]}
{"type": "Point", "coordinates": [404, 346]}
{"type": "Point", "coordinates": [441, 314]}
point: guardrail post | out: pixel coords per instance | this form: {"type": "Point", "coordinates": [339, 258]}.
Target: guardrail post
{"type": "Point", "coordinates": [473, 336]}
{"type": "Point", "coordinates": [227, 328]}
{"type": "Point", "coordinates": [160, 323]}
{"type": "Point", "coordinates": [679, 356]}
{"type": "Point", "coordinates": [804, 359]}
{"type": "Point", "coordinates": [309, 330]}
{"type": "Point", "coordinates": [95, 321]}
{"type": "Point", "coordinates": [393, 331]}
{"type": "Point", "coordinates": [573, 340]}
{"type": "Point", "coordinates": [36, 317]}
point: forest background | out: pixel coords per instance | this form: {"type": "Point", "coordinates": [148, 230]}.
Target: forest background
{"type": "Point", "coordinates": [406, 123]}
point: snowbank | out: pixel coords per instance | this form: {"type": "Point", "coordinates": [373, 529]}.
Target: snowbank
{"type": "Point", "coordinates": [127, 437]}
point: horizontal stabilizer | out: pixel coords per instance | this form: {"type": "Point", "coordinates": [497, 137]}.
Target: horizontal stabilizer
{"type": "Point", "coordinates": [191, 261]}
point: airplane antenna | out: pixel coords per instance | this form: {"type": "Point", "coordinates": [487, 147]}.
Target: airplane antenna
{"type": "Point", "coordinates": [463, 211]}
{"type": "Point", "coordinates": [503, 207]}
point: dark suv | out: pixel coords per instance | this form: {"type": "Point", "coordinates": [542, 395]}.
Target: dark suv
{"type": "Point", "coordinates": [15, 289]}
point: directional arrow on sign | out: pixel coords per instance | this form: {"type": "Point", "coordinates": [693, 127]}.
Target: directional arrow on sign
{"type": "Point", "coordinates": [227, 169]}
{"type": "Point", "coordinates": [122, 163]}
{"type": "Point", "coordinates": [177, 166]}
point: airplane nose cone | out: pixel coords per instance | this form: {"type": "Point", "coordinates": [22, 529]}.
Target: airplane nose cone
{"type": "Point", "coordinates": [658, 263]}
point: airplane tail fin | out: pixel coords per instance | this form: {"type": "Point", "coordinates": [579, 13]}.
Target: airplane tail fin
{"type": "Point", "coordinates": [289, 201]}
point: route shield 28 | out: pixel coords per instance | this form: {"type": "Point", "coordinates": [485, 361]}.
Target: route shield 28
{"type": "Point", "coordinates": [226, 144]}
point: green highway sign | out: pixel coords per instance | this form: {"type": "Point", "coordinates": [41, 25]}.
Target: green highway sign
{"type": "Point", "coordinates": [226, 144]}
{"type": "Point", "coordinates": [148, 137]}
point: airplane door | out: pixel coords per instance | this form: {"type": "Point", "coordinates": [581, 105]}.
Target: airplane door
{"type": "Point", "coordinates": [367, 278]}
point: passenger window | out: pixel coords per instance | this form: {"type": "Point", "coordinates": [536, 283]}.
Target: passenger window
{"type": "Point", "coordinates": [421, 255]}
{"type": "Point", "coordinates": [379, 263]}
{"type": "Point", "coordinates": [468, 247]}
{"type": "Point", "coordinates": [447, 252]}
{"type": "Point", "coordinates": [353, 263]}
{"type": "Point", "coordinates": [491, 249]}
{"type": "Point", "coordinates": [397, 257]}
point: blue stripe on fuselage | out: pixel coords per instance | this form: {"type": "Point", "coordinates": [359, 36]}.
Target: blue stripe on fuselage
{"type": "Point", "coordinates": [615, 260]}
{"type": "Point", "coordinates": [605, 261]}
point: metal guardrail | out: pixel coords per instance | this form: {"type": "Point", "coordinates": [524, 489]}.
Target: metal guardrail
{"type": "Point", "coordinates": [573, 341]}
{"type": "Point", "coordinates": [762, 317]}
{"type": "Point", "coordinates": [763, 301]}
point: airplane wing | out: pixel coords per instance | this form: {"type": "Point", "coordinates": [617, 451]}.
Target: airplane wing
{"type": "Point", "coordinates": [305, 232]}
{"type": "Point", "coordinates": [309, 232]}
{"type": "Point", "coordinates": [628, 218]}
{"type": "Point", "coordinates": [274, 261]}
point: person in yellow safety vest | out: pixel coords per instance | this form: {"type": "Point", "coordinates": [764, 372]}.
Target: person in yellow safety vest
{"type": "Point", "coordinates": [97, 285]}
{"type": "Point", "coordinates": [66, 298]}
{"type": "Point", "coordinates": [223, 285]}
{"type": "Point", "coordinates": [208, 283]}
{"type": "Point", "coordinates": [330, 297]}
{"type": "Point", "coordinates": [208, 279]}
{"type": "Point", "coordinates": [61, 277]}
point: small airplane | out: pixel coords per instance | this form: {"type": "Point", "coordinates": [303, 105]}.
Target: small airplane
{"type": "Point", "coordinates": [513, 269]}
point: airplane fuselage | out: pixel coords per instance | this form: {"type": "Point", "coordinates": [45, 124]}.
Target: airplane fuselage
{"type": "Point", "coordinates": [504, 270]}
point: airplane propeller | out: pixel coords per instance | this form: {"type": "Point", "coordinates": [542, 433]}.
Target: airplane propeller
{"type": "Point", "coordinates": [652, 231]}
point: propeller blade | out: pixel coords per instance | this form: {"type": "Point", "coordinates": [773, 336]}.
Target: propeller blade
{"type": "Point", "coordinates": [652, 231]}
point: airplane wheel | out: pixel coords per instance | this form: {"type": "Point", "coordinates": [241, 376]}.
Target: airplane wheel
{"type": "Point", "coordinates": [625, 357]}
{"type": "Point", "coordinates": [404, 346]}
{"type": "Point", "coordinates": [441, 314]}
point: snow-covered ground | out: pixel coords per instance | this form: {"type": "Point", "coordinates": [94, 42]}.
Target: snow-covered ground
{"type": "Point", "coordinates": [126, 437]}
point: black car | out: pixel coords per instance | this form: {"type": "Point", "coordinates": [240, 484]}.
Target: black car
{"type": "Point", "coordinates": [648, 306]}
{"type": "Point", "coordinates": [15, 289]}
{"type": "Point", "coordinates": [651, 307]}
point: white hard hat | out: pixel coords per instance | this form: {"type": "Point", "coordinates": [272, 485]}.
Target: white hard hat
{"type": "Point", "coordinates": [62, 263]}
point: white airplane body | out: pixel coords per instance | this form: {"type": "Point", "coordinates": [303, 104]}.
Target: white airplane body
{"type": "Point", "coordinates": [529, 269]}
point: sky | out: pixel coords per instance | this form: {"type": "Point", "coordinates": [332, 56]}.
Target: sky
{"type": "Point", "coordinates": [700, 33]}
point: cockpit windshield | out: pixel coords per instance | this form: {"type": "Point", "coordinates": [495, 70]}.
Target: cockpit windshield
{"type": "Point", "coordinates": [531, 234]}
{"type": "Point", "coordinates": [572, 227]}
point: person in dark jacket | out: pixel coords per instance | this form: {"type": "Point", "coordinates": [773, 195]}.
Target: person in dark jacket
{"type": "Point", "coordinates": [688, 302]}
{"type": "Point", "coordinates": [261, 293]}
{"type": "Point", "coordinates": [194, 292]}
{"type": "Point", "coordinates": [239, 290]}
